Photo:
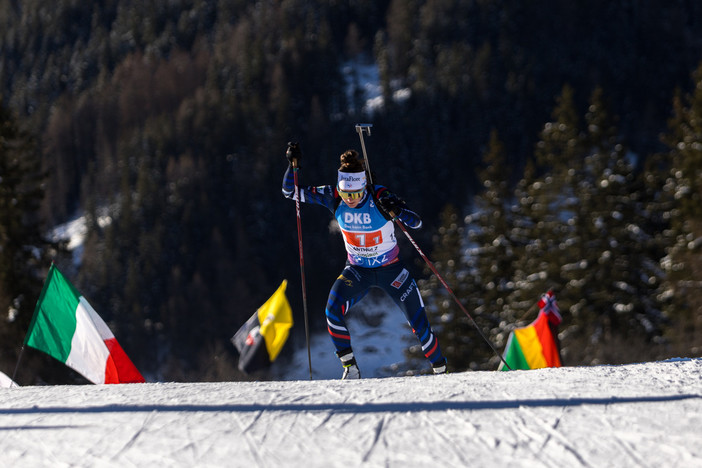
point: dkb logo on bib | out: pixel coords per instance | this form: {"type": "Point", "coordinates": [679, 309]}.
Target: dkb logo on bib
{"type": "Point", "coordinates": [357, 218]}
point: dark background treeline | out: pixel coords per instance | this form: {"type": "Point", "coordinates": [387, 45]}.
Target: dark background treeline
{"type": "Point", "coordinates": [166, 123]}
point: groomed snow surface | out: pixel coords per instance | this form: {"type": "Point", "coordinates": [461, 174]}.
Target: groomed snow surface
{"type": "Point", "coordinates": [642, 415]}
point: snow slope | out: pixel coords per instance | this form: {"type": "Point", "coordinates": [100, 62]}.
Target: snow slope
{"type": "Point", "coordinates": [635, 415]}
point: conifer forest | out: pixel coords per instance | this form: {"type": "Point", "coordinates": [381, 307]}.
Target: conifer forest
{"type": "Point", "coordinates": [546, 145]}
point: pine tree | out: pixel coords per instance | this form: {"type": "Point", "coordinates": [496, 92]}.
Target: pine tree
{"type": "Point", "coordinates": [529, 268]}
{"type": "Point", "coordinates": [683, 192]}
{"type": "Point", "coordinates": [547, 207]}
{"type": "Point", "coordinates": [588, 238]}
{"type": "Point", "coordinates": [490, 231]}
{"type": "Point", "coordinates": [613, 273]}
{"type": "Point", "coordinates": [479, 263]}
{"type": "Point", "coordinates": [455, 333]}
{"type": "Point", "coordinates": [23, 250]}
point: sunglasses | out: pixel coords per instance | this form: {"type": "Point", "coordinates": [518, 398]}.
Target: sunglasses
{"type": "Point", "coordinates": [351, 195]}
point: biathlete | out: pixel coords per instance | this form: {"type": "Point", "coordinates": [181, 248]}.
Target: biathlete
{"type": "Point", "coordinates": [372, 260]}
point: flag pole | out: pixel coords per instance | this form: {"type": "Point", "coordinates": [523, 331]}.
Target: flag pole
{"type": "Point", "coordinates": [366, 128]}
{"type": "Point", "coordinates": [528, 312]}
{"type": "Point", "coordinates": [302, 265]}
{"type": "Point", "coordinates": [19, 358]}
{"type": "Point", "coordinates": [14, 374]}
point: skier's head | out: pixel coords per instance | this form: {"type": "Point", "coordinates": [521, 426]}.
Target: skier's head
{"type": "Point", "coordinates": [352, 178]}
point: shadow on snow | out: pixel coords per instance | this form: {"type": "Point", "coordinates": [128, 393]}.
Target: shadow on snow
{"type": "Point", "coordinates": [401, 407]}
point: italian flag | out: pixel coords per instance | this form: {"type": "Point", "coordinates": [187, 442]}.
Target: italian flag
{"type": "Point", "coordinates": [66, 327]}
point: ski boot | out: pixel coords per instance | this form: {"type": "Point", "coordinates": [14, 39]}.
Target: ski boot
{"type": "Point", "coordinates": [351, 370]}
{"type": "Point", "coordinates": [439, 367]}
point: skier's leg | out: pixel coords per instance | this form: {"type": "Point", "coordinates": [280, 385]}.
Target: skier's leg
{"type": "Point", "coordinates": [400, 285]}
{"type": "Point", "coordinates": [348, 289]}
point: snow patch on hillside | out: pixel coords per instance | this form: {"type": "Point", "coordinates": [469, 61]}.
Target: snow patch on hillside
{"type": "Point", "coordinates": [73, 232]}
{"type": "Point", "coordinates": [364, 91]}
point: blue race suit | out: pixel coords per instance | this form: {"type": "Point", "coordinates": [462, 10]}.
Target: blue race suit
{"type": "Point", "coordinates": [372, 261]}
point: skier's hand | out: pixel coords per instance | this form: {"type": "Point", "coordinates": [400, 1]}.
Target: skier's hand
{"type": "Point", "coordinates": [294, 154]}
{"type": "Point", "coordinates": [391, 204]}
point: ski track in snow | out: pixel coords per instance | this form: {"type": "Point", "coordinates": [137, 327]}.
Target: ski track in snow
{"type": "Point", "coordinates": [639, 415]}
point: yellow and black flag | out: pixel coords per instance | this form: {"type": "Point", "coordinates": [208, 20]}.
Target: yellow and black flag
{"type": "Point", "coordinates": [261, 338]}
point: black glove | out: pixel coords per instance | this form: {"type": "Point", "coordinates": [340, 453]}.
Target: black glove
{"type": "Point", "coordinates": [294, 154]}
{"type": "Point", "coordinates": [391, 204]}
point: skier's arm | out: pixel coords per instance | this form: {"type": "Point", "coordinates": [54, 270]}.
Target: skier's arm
{"type": "Point", "coordinates": [289, 183]}
{"type": "Point", "coordinates": [396, 207]}
{"type": "Point", "coordinates": [323, 195]}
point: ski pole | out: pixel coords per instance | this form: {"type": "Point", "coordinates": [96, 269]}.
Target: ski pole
{"type": "Point", "coordinates": [302, 264]}
{"type": "Point", "coordinates": [365, 128]}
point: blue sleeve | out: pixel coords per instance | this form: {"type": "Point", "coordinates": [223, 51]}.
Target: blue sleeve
{"type": "Point", "coordinates": [408, 217]}
{"type": "Point", "coordinates": [322, 195]}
